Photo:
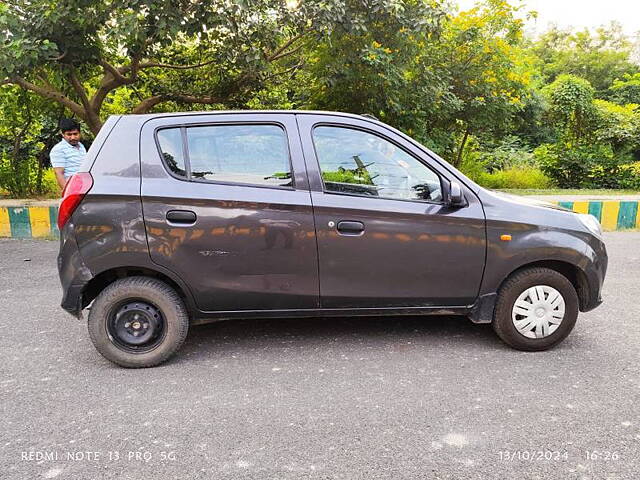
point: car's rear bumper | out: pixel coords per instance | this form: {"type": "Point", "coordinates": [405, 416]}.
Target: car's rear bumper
{"type": "Point", "coordinates": [74, 274]}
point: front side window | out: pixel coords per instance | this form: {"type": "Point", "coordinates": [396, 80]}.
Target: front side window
{"type": "Point", "coordinates": [361, 163]}
{"type": "Point", "coordinates": [255, 154]}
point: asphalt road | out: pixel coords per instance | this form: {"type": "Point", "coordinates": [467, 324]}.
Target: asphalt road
{"type": "Point", "coordinates": [319, 399]}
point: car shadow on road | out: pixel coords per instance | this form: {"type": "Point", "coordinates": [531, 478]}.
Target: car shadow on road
{"type": "Point", "coordinates": [233, 335]}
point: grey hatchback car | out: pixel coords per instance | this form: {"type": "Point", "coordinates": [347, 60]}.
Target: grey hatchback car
{"type": "Point", "coordinates": [185, 218]}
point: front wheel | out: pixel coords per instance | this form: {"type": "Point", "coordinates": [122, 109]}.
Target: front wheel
{"type": "Point", "coordinates": [536, 309]}
{"type": "Point", "coordinates": [138, 322]}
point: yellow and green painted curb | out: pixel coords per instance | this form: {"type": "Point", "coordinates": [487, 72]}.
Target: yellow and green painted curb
{"type": "Point", "coordinates": [612, 214]}
{"type": "Point", "coordinates": [29, 222]}
{"type": "Point", "coordinates": [41, 222]}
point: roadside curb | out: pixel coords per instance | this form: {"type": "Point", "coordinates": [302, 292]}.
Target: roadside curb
{"type": "Point", "coordinates": [41, 221]}
{"type": "Point", "coordinates": [612, 214]}
{"type": "Point", "coordinates": [29, 222]}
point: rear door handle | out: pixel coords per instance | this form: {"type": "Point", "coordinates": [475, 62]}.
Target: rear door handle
{"type": "Point", "coordinates": [348, 227]}
{"type": "Point", "coordinates": [183, 217]}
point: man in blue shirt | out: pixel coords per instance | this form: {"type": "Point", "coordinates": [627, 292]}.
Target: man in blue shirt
{"type": "Point", "coordinates": [69, 153]}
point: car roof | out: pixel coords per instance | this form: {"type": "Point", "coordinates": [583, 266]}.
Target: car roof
{"type": "Point", "coordinates": [252, 112]}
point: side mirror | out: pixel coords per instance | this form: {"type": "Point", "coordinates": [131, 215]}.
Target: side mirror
{"type": "Point", "coordinates": [456, 196]}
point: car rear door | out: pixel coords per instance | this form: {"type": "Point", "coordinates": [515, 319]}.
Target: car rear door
{"type": "Point", "coordinates": [227, 207]}
{"type": "Point", "coordinates": [385, 237]}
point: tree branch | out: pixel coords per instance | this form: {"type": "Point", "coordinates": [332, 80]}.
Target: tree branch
{"type": "Point", "coordinates": [112, 79]}
{"type": "Point", "coordinates": [148, 103]}
{"type": "Point", "coordinates": [279, 53]}
{"type": "Point", "coordinates": [116, 73]}
{"type": "Point", "coordinates": [174, 67]}
{"type": "Point", "coordinates": [51, 93]}
{"type": "Point", "coordinates": [284, 72]}
{"type": "Point", "coordinates": [79, 89]}
{"type": "Point", "coordinates": [285, 54]}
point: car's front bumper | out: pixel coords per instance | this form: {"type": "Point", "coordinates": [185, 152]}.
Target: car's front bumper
{"type": "Point", "coordinates": [595, 273]}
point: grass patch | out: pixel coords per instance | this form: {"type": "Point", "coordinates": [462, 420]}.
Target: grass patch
{"type": "Point", "coordinates": [564, 191]}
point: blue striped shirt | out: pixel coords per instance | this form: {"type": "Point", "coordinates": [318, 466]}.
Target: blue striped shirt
{"type": "Point", "coordinates": [68, 157]}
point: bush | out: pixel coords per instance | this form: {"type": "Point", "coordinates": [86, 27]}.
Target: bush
{"type": "Point", "coordinates": [20, 179]}
{"type": "Point", "coordinates": [471, 164]}
{"type": "Point", "coordinates": [515, 177]}
{"type": "Point", "coordinates": [585, 166]}
{"type": "Point", "coordinates": [509, 153]}
{"type": "Point", "coordinates": [16, 169]}
{"type": "Point", "coordinates": [508, 165]}
{"type": "Point", "coordinates": [50, 187]}
{"type": "Point", "coordinates": [588, 166]}
{"type": "Point", "coordinates": [629, 177]}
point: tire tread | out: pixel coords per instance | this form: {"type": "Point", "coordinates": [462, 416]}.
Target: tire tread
{"type": "Point", "coordinates": [113, 293]}
{"type": "Point", "coordinates": [503, 325]}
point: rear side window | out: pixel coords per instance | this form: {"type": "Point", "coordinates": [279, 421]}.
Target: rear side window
{"type": "Point", "coordinates": [246, 154]}
{"type": "Point", "coordinates": [170, 141]}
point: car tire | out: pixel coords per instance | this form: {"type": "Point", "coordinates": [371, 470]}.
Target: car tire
{"type": "Point", "coordinates": [138, 322]}
{"type": "Point", "coordinates": [535, 291]}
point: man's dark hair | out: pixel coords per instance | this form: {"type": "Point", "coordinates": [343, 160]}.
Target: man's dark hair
{"type": "Point", "coordinates": [67, 124]}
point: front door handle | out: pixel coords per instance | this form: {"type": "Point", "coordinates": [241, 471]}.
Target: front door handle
{"type": "Point", "coordinates": [183, 217]}
{"type": "Point", "coordinates": [348, 227]}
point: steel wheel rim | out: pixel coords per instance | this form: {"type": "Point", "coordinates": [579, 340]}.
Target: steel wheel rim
{"type": "Point", "coordinates": [538, 311]}
{"type": "Point", "coordinates": [136, 326]}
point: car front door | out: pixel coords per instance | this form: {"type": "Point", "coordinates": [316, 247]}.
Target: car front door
{"type": "Point", "coordinates": [385, 236]}
{"type": "Point", "coordinates": [227, 207]}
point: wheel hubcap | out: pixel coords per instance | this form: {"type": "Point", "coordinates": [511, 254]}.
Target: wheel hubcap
{"type": "Point", "coordinates": [136, 326]}
{"type": "Point", "coordinates": [538, 311]}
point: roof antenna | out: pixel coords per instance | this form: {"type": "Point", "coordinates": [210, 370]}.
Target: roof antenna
{"type": "Point", "coordinates": [369, 115]}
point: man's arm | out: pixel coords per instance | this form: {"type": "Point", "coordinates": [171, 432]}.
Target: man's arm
{"type": "Point", "coordinates": [59, 171]}
{"type": "Point", "coordinates": [58, 162]}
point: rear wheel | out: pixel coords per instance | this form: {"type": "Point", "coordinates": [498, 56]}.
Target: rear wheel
{"type": "Point", "coordinates": [536, 309]}
{"type": "Point", "coordinates": [138, 322]}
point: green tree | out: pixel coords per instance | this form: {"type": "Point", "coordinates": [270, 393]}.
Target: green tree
{"type": "Point", "coordinates": [571, 107]}
{"type": "Point", "coordinates": [487, 69]}
{"type": "Point", "coordinates": [373, 62]}
{"type": "Point", "coordinates": [28, 130]}
{"type": "Point", "coordinates": [626, 90]}
{"type": "Point", "coordinates": [599, 57]}
{"type": "Point", "coordinates": [619, 126]}
{"type": "Point", "coordinates": [78, 52]}
{"type": "Point", "coordinates": [595, 138]}
{"type": "Point", "coordinates": [439, 78]}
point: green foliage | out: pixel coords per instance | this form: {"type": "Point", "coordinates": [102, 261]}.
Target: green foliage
{"type": "Point", "coordinates": [515, 177]}
{"type": "Point", "coordinates": [618, 125]}
{"type": "Point", "coordinates": [489, 73]}
{"type": "Point", "coordinates": [359, 176]}
{"type": "Point", "coordinates": [509, 153]}
{"type": "Point", "coordinates": [598, 56]}
{"type": "Point", "coordinates": [571, 106]}
{"type": "Point", "coordinates": [627, 90]}
{"type": "Point", "coordinates": [507, 110]}
{"type": "Point", "coordinates": [596, 138]}
{"type": "Point", "coordinates": [373, 61]}
{"type": "Point", "coordinates": [583, 166]}
{"type": "Point", "coordinates": [27, 131]}
{"type": "Point", "coordinates": [79, 53]}
{"type": "Point", "coordinates": [50, 187]}
{"type": "Point", "coordinates": [629, 176]}
{"type": "Point", "coordinates": [506, 166]}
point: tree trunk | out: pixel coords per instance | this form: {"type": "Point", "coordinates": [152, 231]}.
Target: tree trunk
{"type": "Point", "coordinates": [93, 121]}
{"type": "Point", "coordinates": [461, 149]}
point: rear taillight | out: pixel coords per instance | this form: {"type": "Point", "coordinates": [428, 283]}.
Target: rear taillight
{"type": "Point", "coordinates": [73, 193]}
